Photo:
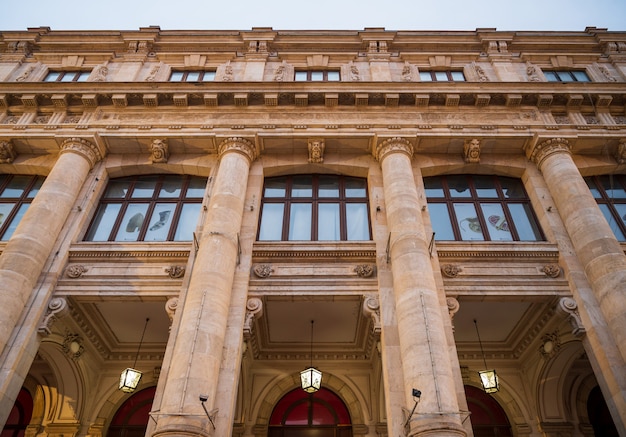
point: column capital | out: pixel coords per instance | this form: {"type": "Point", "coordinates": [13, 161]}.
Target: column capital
{"type": "Point", "coordinates": [542, 150]}
{"type": "Point", "coordinates": [239, 145]}
{"type": "Point", "coordinates": [85, 148]}
{"type": "Point", "coordinates": [391, 145]}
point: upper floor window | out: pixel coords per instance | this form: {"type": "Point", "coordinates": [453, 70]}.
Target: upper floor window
{"type": "Point", "coordinates": [67, 76]}
{"type": "Point", "coordinates": [483, 208]}
{"type": "Point", "coordinates": [314, 208]}
{"type": "Point", "coordinates": [148, 208]}
{"type": "Point", "coordinates": [442, 76]}
{"type": "Point", "coordinates": [192, 76]}
{"type": "Point", "coordinates": [16, 194]}
{"type": "Point", "coordinates": [566, 76]}
{"type": "Point", "coordinates": [610, 193]}
{"type": "Point", "coordinates": [317, 76]}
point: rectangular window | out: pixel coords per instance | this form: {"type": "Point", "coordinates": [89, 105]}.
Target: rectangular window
{"type": "Point", "coordinates": [314, 208]}
{"type": "Point", "coordinates": [442, 76]}
{"type": "Point", "coordinates": [566, 76]}
{"type": "Point", "coordinates": [16, 195]}
{"type": "Point", "coordinates": [317, 76]}
{"type": "Point", "coordinates": [67, 76]}
{"type": "Point", "coordinates": [192, 76]}
{"type": "Point", "coordinates": [610, 193]}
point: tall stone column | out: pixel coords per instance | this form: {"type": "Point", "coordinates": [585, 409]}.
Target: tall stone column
{"type": "Point", "coordinates": [598, 251]}
{"type": "Point", "coordinates": [423, 347]}
{"type": "Point", "coordinates": [197, 356]}
{"type": "Point", "coordinates": [27, 251]}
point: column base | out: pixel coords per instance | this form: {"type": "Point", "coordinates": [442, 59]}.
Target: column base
{"type": "Point", "coordinates": [182, 430]}
{"type": "Point", "coordinates": [434, 427]}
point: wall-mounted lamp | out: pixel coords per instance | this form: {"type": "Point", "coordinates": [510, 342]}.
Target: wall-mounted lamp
{"type": "Point", "coordinates": [311, 378]}
{"type": "Point", "coordinates": [416, 397]}
{"type": "Point", "coordinates": [488, 378]}
{"type": "Point", "coordinates": [130, 377]}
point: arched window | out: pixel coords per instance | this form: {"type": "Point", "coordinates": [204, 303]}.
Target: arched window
{"type": "Point", "coordinates": [480, 208]}
{"type": "Point", "coordinates": [487, 416]}
{"type": "Point", "coordinates": [610, 193]}
{"type": "Point", "coordinates": [314, 208]}
{"type": "Point", "coordinates": [131, 420]}
{"type": "Point", "coordinates": [20, 416]}
{"type": "Point", "coordinates": [16, 194]}
{"type": "Point", "coordinates": [320, 414]}
{"type": "Point", "coordinates": [148, 208]}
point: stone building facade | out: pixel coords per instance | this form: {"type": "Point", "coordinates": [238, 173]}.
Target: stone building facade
{"type": "Point", "coordinates": [398, 209]}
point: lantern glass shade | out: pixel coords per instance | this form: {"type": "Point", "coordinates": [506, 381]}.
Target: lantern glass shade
{"type": "Point", "coordinates": [489, 379]}
{"type": "Point", "coordinates": [311, 380]}
{"type": "Point", "coordinates": [129, 380]}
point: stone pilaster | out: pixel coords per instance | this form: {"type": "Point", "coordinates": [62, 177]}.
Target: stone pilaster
{"type": "Point", "coordinates": [600, 254]}
{"type": "Point", "coordinates": [26, 252]}
{"type": "Point", "coordinates": [423, 346]}
{"type": "Point", "coordinates": [197, 356]}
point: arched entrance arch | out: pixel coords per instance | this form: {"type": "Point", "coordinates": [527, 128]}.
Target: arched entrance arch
{"type": "Point", "coordinates": [278, 389]}
{"type": "Point", "coordinates": [487, 416]}
{"type": "Point", "coordinates": [319, 414]}
{"type": "Point", "coordinates": [131, 419]}
{"type": "Point", "coordinates": [20, 415]}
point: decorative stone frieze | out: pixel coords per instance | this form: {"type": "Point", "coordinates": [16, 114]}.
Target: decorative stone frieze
{"type": "Point", "coordinates": [7, 152]}
{"type": "Point", "coordinates": [75, 271]}
{"type": "Point", "coordinates": [532, 73]}
{"type": "Point", "coordinates": [371, 309]}
{"type": "Point", "coordinates": [83, 147]}
{"type": "Point", "coordinates": [392, 145]}
{"type": "Point", "coordinates": [175, 272]}
{"type": "Point", "coordinates": [57, 307]}
{"type": "Point", "coordinates": [316, 151]}
{"type": "Point", "coordinates": [25, 74]}
{"type": "Point", "coordinates": [551, 270]}
{"type": "Point", "coordinates": [550, 344]}
{"type": "Point", "coordinates": [620, 154]}
{"type": "Point", "coordinates": [364, 270]}
{"type": "Point", "coordinates": [263, 270]}
{"type": "Point", "coordinates": [541, 151]}
{"type": "Point", "coordinates": [450, 270]}
{"type": "Point", "coordinates": [471, 151]}
{"type": "Point", "coordinates": [100, 74]}
{"type": "Point", "coordinates": [153, 73]}
{"type": "Point", "coordinates": [569, 308]}
{"type": "Point", "coordinates": [159, 151]}
{"type": "Point", "coordinates": [239, 145]}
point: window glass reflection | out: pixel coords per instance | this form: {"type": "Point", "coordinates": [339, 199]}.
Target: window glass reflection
{"type": "Point", "coordinates": [497, 225]}
{"type": "Point", "coordinates": [355, 187]}
{"type": "Point", "coordinates": [160, 222]}
{"type": "Point", "coordinates": [15, 221]}
{"type": "Point", "coordinates": [144, 188]}
{"type": "Point", "coordinates": [132, 222]}
{"type": "Point", "coordinates": [104, 222]}
{"type": "Point", "coordinates": [300, 222]}
{"type": "Point", "coordinates": [271, 222]}
{"type": "Point", "coordinates": [328, 222]}
{"type": "Point", "coordinates": [459, 186]}
{"type": "Point", "coordinates": [468, 221]}
{"type": "Point", "coordinates": [440, 220]}
{"type": "Point", "coordinates": [328, 186]}
{"type": "Point", "coordinates": [357, 222]}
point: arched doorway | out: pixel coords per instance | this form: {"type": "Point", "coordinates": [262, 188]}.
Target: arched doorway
{"type": "Point", "coordinates": [20, 415]}
{"type": "Point", "coordinates": [321, 414]}
{"type": "Point", "coordinates": [599, 415]}
{"type": "Point", "coordinates": [488, 418]}
{"type": "Point", "coordinates": [131, 419]}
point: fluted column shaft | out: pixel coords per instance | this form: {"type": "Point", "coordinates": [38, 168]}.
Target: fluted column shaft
{"type": "Point", "coordinates": [596, 248]}
{"type": "Point", "coordinates": [423, 345]}
{"type": "Point", "coordinates": [26, 252]}
{"type": "Point", "coordinates": [198, 348]}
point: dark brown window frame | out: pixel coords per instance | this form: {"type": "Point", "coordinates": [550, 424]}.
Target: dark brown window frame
{"type": "Point", "coordinates": [571, 76]}
{"type": "Point", "coordinates": [62, 74]}
{"type": "Point", "coordinates": [315, 200]}
{"type": "Point", "coordinates": [476, 201]}
{"type": "Point", "coordinates": [309, 74]}
{"type": "Point", "coordinates": [433, 73]}
{"type": "Point", "coordinates": [186, 74]}
{"type": "Point", "coordinates": [605, 199]}
{"type": "Point", "coordinates": [18, 201]}
{"type": "Point", "coordinates": [152, 202]}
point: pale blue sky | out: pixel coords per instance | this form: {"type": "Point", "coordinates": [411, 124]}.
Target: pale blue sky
{"type": "Point", "coordinates": [573, 15]}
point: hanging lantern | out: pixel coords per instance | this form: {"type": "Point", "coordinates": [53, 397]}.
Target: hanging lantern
{"type": "Point", "coordinates": [130, 377]}
{"type": "Point", "coordinates": [311, 378]}
{"type": "Point", "coordinates": [489, 379]}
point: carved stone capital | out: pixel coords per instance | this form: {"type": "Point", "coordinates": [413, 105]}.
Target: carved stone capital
{"type": "Point", "coordinates": [239, 145]}
{"type": "Point", "coordinates": [371, 308]}
{"type": "Point", "coordinates": [7, 152]}
{"type": "Point", "coordinates": [84, 148]}
{"type": "Point", "coordinates": [569, 308]}
{"type": "Point", "coordinates": [546, 148]}
{"type": "Point", "coordinates": [170, 308]}
{"type": "Point", "coordinates": [254, 310]}
{"type": "Point", "coordinates": [471, 151]}
{"type": "Point", "coordinates": [620, 154]}
{"type": "Point", "coordinates": [316, 151]}
{"type": "Point", "coordinates": [159, 151]}
{"type": "Point", "coordinates": [57, 307]}
{"type": "Point", "coordinates": [393, 145]}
